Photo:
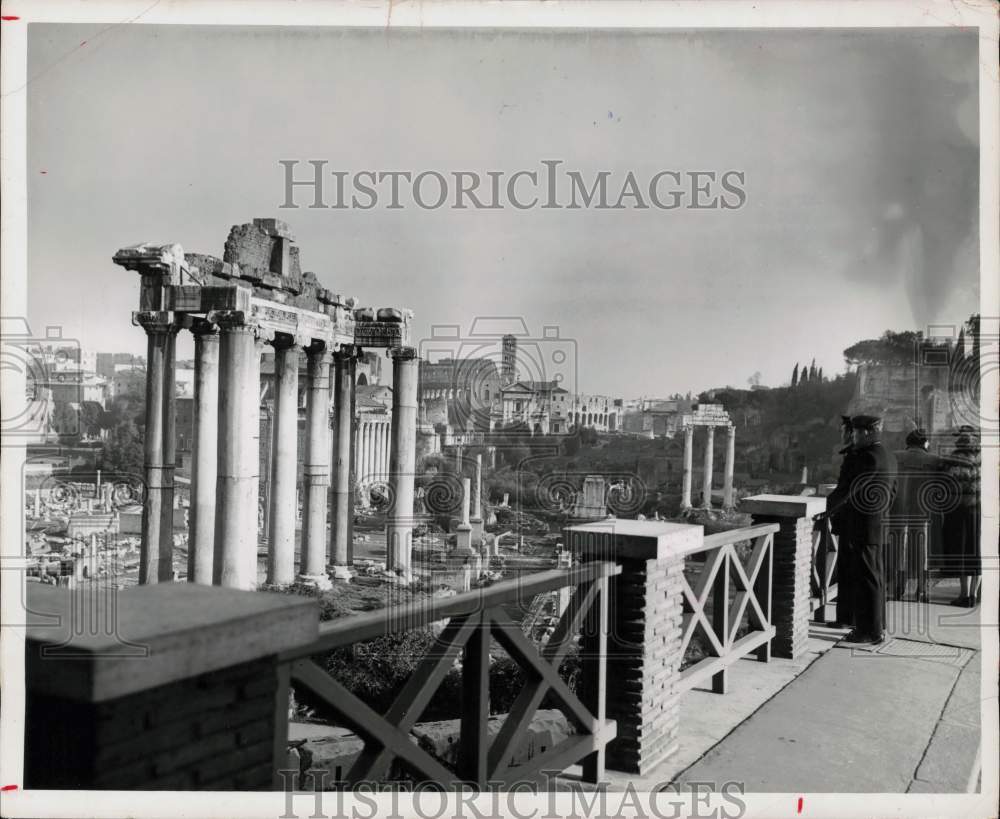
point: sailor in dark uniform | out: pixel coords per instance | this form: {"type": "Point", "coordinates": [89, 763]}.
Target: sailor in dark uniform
{"type": "Point", "coordinates": [871, 487]}
{"type": "Point", "coordinates": [838, 525]}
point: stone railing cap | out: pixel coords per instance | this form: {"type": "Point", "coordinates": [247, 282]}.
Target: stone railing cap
{"type": "Point", "coordinates": [633, 539]}
{"type": "Point", "coordinates": [792, 506]}
{"type": "Point", "coordinates": [163, 633]}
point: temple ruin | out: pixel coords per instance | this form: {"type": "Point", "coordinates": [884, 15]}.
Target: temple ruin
{"type": "Point", "coordinates": [708, 416]}
{"type": "Point", "coordinates": [257, 295]}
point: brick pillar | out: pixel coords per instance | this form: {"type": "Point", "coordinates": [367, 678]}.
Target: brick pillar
{"type": "Point", "coordinates": [644, 634]}
{"type": "Point", "coordinates": [790, 608]}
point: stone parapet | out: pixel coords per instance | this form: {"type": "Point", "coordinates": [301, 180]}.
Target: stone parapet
{"type": "Point", "coordinates": [792, 566]}
{"type": "Point", "coordinates": [180, 691]}
{"type": "Point", "coordinates": [644, 633]}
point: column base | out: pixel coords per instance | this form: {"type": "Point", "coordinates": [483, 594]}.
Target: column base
{"type": "Point", "coordinates": [317, 581]}
{"type": "Point", "coordinates": [342, 572]}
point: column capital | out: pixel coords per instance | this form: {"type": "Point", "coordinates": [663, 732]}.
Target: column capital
{"type": "Point", "coordinates": [238, 321]}
{"type": "Point", "coordinates": [202, 328]}
{"type": "Point", "coordinates": [347, 351]}
{"type": "Point", "coordinates": [154, 321]}
{"type": "Point", "coordinates": [285, 341]}
{"type": "Point", "coordinates": [403, 353]}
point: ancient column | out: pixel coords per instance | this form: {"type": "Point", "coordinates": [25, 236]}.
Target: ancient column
{"type": "Point", "coordinates": [344, 365]}
{"type": "Point", "coordinates": [284, 460]}
{"type": "Point", "coordinates": [159, 268]}
{"type": "Point", "coordinates": [383, 450]}
{"type": "Point", "coordinates": [402, 462]}
{"type": "Point", "coordinates": [155, 561]}
{"type": "Point", "coordinates": [477, 512]}
{"type": "Point", "coordinates": [238, 478]}
{"type": "Point", "coordinates": [316, 468]}
{"type": "Point", "coordinates": [366, 453]}
{"type": "Point", "coordinates": [707, 477]}
{"type": "Point", "coordinates": [169, 456]}
{"type": "Point", "coordinates": [688, 459]}
{"type": "Point", "coordinates": [204, 452]}
{"type": "Point", "coordinates": [727, 478]}
{"type": "Point", "coordinates": [463, 532]}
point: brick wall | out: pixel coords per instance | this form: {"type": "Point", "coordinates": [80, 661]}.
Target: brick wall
{"type": "Point", "coordinates": [210, 732]}
{"type": "Point", "coordinates": [790, 583]}
{"type": "Point", "coordinates": [643, 664]}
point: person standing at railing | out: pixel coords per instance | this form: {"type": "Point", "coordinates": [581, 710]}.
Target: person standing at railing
{"type": "Point", "coordinates": [914, 521]}
{"type": "Point", "coordinates": [838, 526]}
{"type": "Point", "coordinates": [871, 487]}
{"type": "Point", "coordinates": [961, 523]}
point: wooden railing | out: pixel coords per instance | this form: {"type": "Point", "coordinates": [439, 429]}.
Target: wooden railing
{"type": "Point", "coordinates": [473, 618]}
{"type": "Point", "coordinates": [823, 579]}
{"type": "Point", "coordinates": [719, 619]}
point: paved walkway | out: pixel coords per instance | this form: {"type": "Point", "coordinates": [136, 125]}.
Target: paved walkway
{"type": "Point", "coordinates": [904, 717]}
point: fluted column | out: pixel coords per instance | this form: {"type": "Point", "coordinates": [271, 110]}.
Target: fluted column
{"type": "Point", "coordinates": [383, 450]}
{"type": "Point", "coordinates": [284, 460]}
{"type": "Point", "coordinates": [204, 453]}
{"type": "Point", "coordinates": [688, 462]}
{"type": "Point", "coordinates": [402, 462]}
{"type": "Point", "coordinates": [709, 457]}
{"type": "Point", "coordinates": [156, 549]}
{"type": "Point", "coordinates": [238, 479]}
{"type": "Point", "coordinates": [727, 477]}
{"type": "Point", "coordinates": [317, 467]}
{"type": "Point", "coordinates": [344, 364]}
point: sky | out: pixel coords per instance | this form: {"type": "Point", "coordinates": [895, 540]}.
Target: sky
{"type": "Point", "coordinates": [859, 149]}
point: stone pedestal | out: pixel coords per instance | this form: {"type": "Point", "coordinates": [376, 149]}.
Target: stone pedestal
{"type": "Point", "coordinates": [792, 565]}
{"type": "Point", "coordinates": [182, 692]}
{"type": "Point", "coordinates": [644, 633]}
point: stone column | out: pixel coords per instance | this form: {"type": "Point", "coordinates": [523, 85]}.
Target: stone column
{"type": "Point", "coordinates": [707, 477]}
{"type": "Point", "coordinates": [366, 452]}
{"type": "Point", "coordinates": [463, 532]}
{"type": "Point", "coordinates": [284, 462]}
{"type": "Point", "coordinates": [169, 456]}
{"type": "Point", "coordinates": [477, 510]}
{"type": "Point", "coordinates": [383, 450]}
{"type": "Point", "coordinates": [727, 478]}
{"type": "Point", "coordinates": [317, 468]}
{"type": "Point", "coordinates": [643, 635]}
{"type": "Point", "coordinates": [344, 365]}
{"type": "Point", "coordinates": [238, 478]}
{"type": "Point", "coordinates": [155, 561]}
{"type": "Point", "coordinates": [204, 453]}
{"type": "Point", "coordinates": [402, 462]}
{"type": "Point", "coordinates": [792, 565]}
{"type": "Point", "coordinates": [688, 458]}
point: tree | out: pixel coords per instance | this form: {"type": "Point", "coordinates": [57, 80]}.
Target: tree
{"type": "Point", "coordinates": [819, 375]}
{"type": "Point", "coordinates": [892, 349]}
{"type": "Point", "coordinates": [754, 380]}
{"type": "Point", "coordinates": [124, 450]}
{"type": "Point", "coordinates": [795, 374]}
{"type": "Point", "coordinates": [812, 370]}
